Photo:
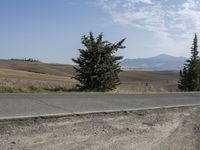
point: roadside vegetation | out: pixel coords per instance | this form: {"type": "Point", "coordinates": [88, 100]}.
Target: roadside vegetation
{"type": "Point", "coordinates": [98, 67]}
{"type": "Point", "coordinates": [33, 89]}
{"type": "Point", "coordinates": [190, 75]}
{"type": "Point", "coordinates": [17, 81]}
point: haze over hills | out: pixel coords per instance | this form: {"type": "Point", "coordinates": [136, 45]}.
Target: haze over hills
{"type": "Point", "coordinates": [160, 62]}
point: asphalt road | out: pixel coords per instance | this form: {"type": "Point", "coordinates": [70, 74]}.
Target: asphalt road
{"type": "Point", "coordinates": [24, 105]}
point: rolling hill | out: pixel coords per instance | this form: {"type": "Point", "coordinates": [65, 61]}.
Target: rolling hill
{"type": "Point", "coordinates": [25, 74]}
{"type": "Point", "coordinates": [38, 67]}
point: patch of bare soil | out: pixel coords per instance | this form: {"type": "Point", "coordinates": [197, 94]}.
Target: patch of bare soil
{"type": "Point", "coordinates": [161, 129]}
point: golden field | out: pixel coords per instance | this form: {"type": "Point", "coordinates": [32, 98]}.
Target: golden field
{"type": "Point", "coordinates": [37, 75]}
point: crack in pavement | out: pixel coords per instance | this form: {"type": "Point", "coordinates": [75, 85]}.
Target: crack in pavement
{"type": "Point", "coordinates": [39, 101]}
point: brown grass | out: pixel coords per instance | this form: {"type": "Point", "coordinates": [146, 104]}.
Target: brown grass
{"type": "Point", "coordinates": [144, 81]}
{"type": "Point", "coordinates": [24, 74]}
{"type": "Point", "coordinates": [24, 80]}
{"type": "Point", "coordinates": [38, 67]}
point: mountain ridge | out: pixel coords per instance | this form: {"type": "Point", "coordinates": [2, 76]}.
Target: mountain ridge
{"type": "Point", "coordinates": [159, 62]}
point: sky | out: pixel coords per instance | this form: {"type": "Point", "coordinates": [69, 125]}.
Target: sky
{"type": "Point", "coordinates": [51, 30]}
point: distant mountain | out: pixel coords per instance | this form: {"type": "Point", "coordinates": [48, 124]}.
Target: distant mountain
{"type": "Point", "coordinates": [160, 62]}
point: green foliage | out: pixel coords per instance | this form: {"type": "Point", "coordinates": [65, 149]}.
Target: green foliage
{"type": "Point", "coordinates": [98, 67]}
{"type": "Point", "coordinates": [198, 75]}
{"type": "Point", "coordinates": [190, 75]}
{"type": "Point", "coordinates": [34, 89]}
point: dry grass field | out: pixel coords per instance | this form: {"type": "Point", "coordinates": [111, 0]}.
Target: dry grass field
{"type": "Point", "coordinates": [25, 76]}
{"type": "Point", "coordinates": [37, 67]}
{"type": "Point", "coordinates": [148, 81]}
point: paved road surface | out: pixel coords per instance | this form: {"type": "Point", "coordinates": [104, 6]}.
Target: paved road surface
{"type": "Point", "coordinates": [17, 105]}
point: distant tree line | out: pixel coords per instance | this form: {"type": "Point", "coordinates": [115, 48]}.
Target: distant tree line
{"type": "Point", "coordinates": [190, 74]}
{"type": "Point", "coordinates": [26, 59]}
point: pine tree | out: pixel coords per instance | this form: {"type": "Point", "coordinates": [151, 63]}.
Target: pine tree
{"type": "Point", "coordinates": [189, 76]}
{"type": "Point", "coordinates": [98, 67]}
{"type": "Point", "coordinates": [198, 75]}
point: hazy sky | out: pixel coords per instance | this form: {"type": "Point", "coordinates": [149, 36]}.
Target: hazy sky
{"type": "Point", "coordinates": [50, 30]}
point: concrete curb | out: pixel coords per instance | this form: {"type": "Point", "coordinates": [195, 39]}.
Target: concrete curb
{"type": "Point", "coordinates": [60, 115]}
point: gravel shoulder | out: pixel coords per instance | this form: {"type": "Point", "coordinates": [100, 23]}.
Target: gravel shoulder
{"type": "Point", "coordinates": [158, 129]}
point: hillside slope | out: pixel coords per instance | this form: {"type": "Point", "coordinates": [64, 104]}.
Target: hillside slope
{"type": "Point", "coordinates": [38, 67]}
{"type": "Point", "coordinates": [160, 62]}
{"type": "Point", "coordinates": [24, 73]}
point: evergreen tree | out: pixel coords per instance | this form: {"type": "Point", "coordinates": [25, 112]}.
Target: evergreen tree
{"type": "Point", "coordinates": [189, 76]}
{"type": "Point", "coordinates": [198, 75]}
{"type": "Point", "coordinates": [98, 67]}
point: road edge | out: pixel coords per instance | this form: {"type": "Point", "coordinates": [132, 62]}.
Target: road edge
{"type": "Point", "coordinates": [60, 115]}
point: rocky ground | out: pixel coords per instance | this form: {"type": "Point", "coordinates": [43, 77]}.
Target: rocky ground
{"type": "Point", "coordinates": [160, 129]}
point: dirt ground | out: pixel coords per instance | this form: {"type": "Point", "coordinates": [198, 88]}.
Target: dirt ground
{"type": "Point", "coordinates": [160, 129]}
